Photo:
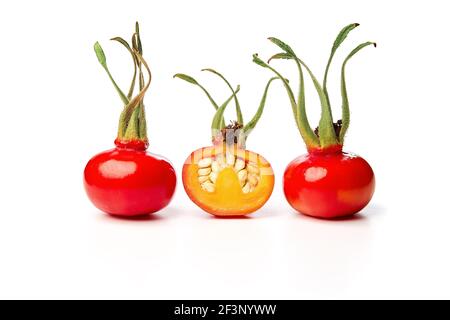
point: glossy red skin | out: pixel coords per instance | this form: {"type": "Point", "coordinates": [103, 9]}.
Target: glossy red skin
{"type": "Point", "coordinates": [129, 182]}
{"type": "Point", "coordinates": [329, 185]}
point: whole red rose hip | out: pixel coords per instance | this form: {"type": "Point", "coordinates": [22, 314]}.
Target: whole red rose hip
{"type": "Point", "coordinates": [327, 182]}
{"type": "Point", "coordinates": [330, 185]}
{"type": "Point", "coordinates": [129, 181]}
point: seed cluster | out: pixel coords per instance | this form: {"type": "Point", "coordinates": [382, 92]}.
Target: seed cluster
{"type": "Point", "coordinates": [209, 168]}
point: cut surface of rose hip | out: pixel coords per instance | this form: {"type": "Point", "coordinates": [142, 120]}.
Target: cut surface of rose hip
{"type": "Point", "coordinates": [237, 187]}
{"type": "Point", "coordinates": [209, 170]}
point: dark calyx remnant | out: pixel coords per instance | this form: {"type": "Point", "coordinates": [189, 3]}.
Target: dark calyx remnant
{"type": "Point", "coordinates": [231, 133]}
{"type": "Point", "coordinates": [337, 128]}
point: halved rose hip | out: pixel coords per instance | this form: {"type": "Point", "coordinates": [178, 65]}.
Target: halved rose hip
{"type": "Point", "coordinates": [227, 182]}
{"type": "Point", "coordinates": [226, 179]}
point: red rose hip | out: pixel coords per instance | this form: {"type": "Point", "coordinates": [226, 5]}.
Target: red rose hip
{"type": "Point", "coordinates": [128, 181]}
{"type": "Point", "coordinates": [330, 185]}
{"type": "Point", "coordinates": [325, 183]}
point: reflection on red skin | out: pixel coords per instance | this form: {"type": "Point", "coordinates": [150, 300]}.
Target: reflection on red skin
{"type": "Point", "coordinates": [330, 184]}
{"type": "Point", "coordinates": [128, 181]}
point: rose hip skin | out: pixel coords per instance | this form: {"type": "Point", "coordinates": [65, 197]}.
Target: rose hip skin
{"type": "Point", "coordinates": [329, 185]}
{"type": "Point", "coordinates": [129, 182]}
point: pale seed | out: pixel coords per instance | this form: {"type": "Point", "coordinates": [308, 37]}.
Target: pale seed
{"type": "Point", "coordinates": [239, 165]}
{"type": "Point", "coordinates": [230, 160]}
{"type": "Point", "coordinates": [213, 176]}
{"type": "Point", "coordinates": [204, 172]}
{"type": "Point", "coordinates": [203, 179]}
{"type": "Point", "coordinates": [242, 175]}
{"type": "Point", "coordinates": [215, 166]}
{"type": "Point", "coordinates": [204, 163]}
{"type": "Point", "coordinates": [253, 179]}
{"type": "Point", "coordinates": [208, 186]}
{"type": "Point", "coordinates": [246, 188]}
{"type": "Point", "coordinates": [221, 162]}
{"type": "Point", "coordinates": [252, 169]}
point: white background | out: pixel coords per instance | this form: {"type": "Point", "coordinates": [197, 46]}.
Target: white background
{"type": "Point", "coordinates": [58, 109]}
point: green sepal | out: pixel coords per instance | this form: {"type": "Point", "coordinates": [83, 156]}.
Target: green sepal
{"type": "Point", "coordinates": [130, 110]}
{"type": "Point", "coordinates": [132, 131]}
{"type": "Point", "coordinates": [301, 99]}
{"type": "Point", "coordinates": [191, 80]}
{"type": "Point", "coordinates": [254, 121]}
{"type": "Point", "coordinates": [133, 81]}
{"type": "Point", "coordinates": [301, 120]}
{"type": "Point", "coordinates": [282, 45]}
{"type": "Point", "coordinates": [327, 134]}
{"type": "Point", "coordinates": [300, 110]}
{"type": "Point", "coordinates": [137, 45]}
{"type": "Point", "coordinates": [239, 116]}
{"type": "Point", "coordinates": [142, 123]}
{"type": "Point", "coordinates": [342, 35]}
{"type": "Point", "coordinates": [102, 60]}
{"type": "Point", "coordinates": [132, 122]}
{"type": "Point", "coordinates": [345, 103]}
{"type": "Point", "coordinates": [281, 55]}
{"type": "Point", "coordinates": [216, 125]}
{"type": "Point", "coordinates": [138, 39]}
